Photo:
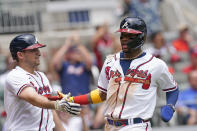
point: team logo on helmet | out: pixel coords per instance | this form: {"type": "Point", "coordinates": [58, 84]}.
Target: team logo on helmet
{"type": "Point", "coordinates": [125, 25]}
{"type": "Point", "coordinates": [36, 40]}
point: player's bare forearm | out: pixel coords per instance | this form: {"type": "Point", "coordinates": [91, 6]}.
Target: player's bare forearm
{"type": "Point", "coordinates": [102, 95]}
{"type": "Point", "coordinates": [86, 56]}
{"type": "Point", "coordinates": [58, 57]}
{"type": "Point", "coordinates": [30, 95]}
{"type": "Point", "coordinates": [98, 35]}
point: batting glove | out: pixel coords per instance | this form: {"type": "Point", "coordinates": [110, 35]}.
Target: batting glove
{"type": "Point", "coordinates": [66, 97]}
{"type": "Point", "coordinates": [167, 112]}
{"type": "Point", "coordinates": [65, 106]}
{"type": "Point", "coordinates": [63, 95]}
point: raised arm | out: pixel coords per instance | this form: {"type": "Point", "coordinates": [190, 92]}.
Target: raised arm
{"type": "Point", "coordinates": [86, 57]}
{"type": "Point", "coordinates": [100, 32]}
{"type": "Point", "coordinates": [59, 55]}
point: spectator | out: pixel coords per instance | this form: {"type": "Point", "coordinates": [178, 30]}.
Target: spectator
{"type": "Point", "coordinates": [73, 64]}
{"type": "Point", "coordinates": [187, 102]}
{"type": "Point", "coordinates": [103, 43]}
{"type": "Point", "coordinates": [10, 64]}
{"type": "Point", "coordinates": [182, 43]}
{"type": "Point", "coordinates": [193, 60]}
{"type": "Point", "coordinates": [3, 57]}
{"type": "Point", "coordinates": [54, 84]}
{"type": "Point", "coordinates": [149, 11]}
{"type": "Point", "coordinates": [160, 48]}
{"type": "Point", "coordinates": [126, 7]}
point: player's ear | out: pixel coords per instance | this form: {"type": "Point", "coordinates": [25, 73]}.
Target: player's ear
{"type": "Point", "coordinates": [20, 55]}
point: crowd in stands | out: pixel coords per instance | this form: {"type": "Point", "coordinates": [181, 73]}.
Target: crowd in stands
{"type": "Point", "coordinates": [186, 106]}
{"type": "Point", "coordinates": [69, 67]}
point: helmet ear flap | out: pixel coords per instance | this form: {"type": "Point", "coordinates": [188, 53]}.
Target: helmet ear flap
{"type": "Point", "coordinates": [143, 37]}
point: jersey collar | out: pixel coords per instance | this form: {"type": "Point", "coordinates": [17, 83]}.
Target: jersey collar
{"type": "Point", "coordinates": [122, 55]}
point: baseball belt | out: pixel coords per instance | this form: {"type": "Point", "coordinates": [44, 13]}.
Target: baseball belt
{"type": "Point", "coordinates": [124, 122]}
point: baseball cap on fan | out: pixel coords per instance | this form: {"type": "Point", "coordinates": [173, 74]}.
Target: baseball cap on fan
{"type": "Point", "coordinates": [24, 42]}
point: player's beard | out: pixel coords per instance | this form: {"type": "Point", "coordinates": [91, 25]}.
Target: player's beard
{"type": "Point", "coordinates": [34, 63]}
{"type": "Point", "coordinates": [37, 62]}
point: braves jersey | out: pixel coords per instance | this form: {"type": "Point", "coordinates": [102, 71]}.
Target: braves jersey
{"type": "Point", "coordinates": [133, 94]}
{"type": "Point", "coordinates": [21, 115]}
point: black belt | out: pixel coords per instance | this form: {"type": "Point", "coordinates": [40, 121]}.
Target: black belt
{"type": "Point", "coordinates": [124, 122]}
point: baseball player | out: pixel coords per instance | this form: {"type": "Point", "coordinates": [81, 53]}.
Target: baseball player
{"type": "Point", "coordinates": [129, 81]}
{"type": "Point", "coordinates": [25, 105]}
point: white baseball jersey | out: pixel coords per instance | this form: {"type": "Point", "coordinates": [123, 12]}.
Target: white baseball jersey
{"type": "Point", "coordinates": [22, 115]}
{"type": "Point", "coordinates": [133, 94]}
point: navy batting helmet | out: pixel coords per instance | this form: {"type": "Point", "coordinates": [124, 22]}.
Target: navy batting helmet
{"type": "Point", "coordinates": [23, 42]}
{"type": "Point", "coordinates": [136, 26]}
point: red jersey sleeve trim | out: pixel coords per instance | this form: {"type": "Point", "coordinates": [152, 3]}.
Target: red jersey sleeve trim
{"type": "Point", "coordinates": [102, 89]}
{"type": "Point", "coordinates": [170, 89]}
{"type": "Point", "coordinates": [23, 87]}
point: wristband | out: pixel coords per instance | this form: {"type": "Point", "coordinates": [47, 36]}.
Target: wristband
{"type": "Point", "coordinates": [172, 106]}
{"type": "Point", "coordinates": [82, 100]}
{"type": "Point", "coordinates": [167, 112]}
{"type": "Point", "coordinates": [71, 99]}
{"type": "Point", "coordinates": [95, 97]}
{"type": "Point", "coordinates": [53, 97]}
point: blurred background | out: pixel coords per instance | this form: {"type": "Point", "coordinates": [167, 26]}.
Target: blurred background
{"type": "Point", "coordinates": [88, 28]}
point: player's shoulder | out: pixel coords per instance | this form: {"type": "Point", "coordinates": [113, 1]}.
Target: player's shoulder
{"type": "Point", "coordinates": [155, 59]}
{"type": "Point", "coordinates": [111, 58]}
{"type": "Point", "coordinates": [157, 62]}
{"type": "Point", "coordinates": [41, 74]}
{"type": "Point", "coordinates": [160, 62]}
{"type": "Point", "coordinates": [114, 56]}
{"type": "Point", "coordinates": [16, 74]}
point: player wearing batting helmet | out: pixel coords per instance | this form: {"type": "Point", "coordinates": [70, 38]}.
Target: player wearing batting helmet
{"type": "Point", "coordinates": [129, 80]}
{"type": "Point", "coordinates": [25, 104]}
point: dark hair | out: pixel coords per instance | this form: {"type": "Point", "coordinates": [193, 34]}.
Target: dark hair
{"type": "Point", "coordinates": [154, 34]}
